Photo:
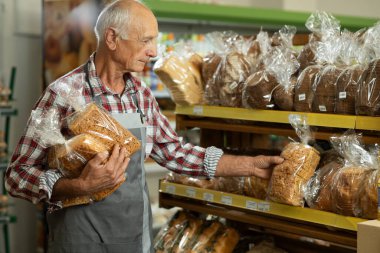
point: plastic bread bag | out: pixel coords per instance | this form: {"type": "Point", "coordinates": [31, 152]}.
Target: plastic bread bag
{"type": "Point", "coordinates": [232, 69]}
{"type": "Point", "coordinates": [370, 40]}
{"type": "Point", "coordinates": [284, 65]}
{"type": "Point", "coordinates": [354, 187]}
{"type": "Point", "coordinates": [324, 87]}
{"type": "Point", "coordinates": [355, 57]}
{"type": "Point", "coordinates": [180, 71]}
{"type": "Point", "coordinates": [321, 25]}
{"type": "Point", "coordinates": [255, 187]}
{"type": "Point", "coordinates": [205, 183]}
{"type": "Point", "coordinates": [289, 179]}
{"type": "Point", "coordinates": [171, 234]}
{"type": "Point", "coordinates": [230, 184]}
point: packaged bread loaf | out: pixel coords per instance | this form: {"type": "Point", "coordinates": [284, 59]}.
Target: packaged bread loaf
{"type": "Point", "coordinates": [303, 91]}
{"type": "Point", "coordinates": [182, 77]}
{"type": "Point", "coordinates": [354, 190]}
{"type": "Point", "coordinates": [368, 96]}
{"type": "Point", "coordinates": [346, 88]}
{"type": "Point", "coordinates": [300, 161]}
{"type": "Point", "coordinates": [324, 99]}
{"type": "Point", "coordinates": [204, 183]}
{"type": "Point", "coordinates": [103, 127]}
{"type": "Point", "coordinates": [256, 187]}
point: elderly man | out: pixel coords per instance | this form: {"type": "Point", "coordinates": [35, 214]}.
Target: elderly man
{"type": "Point", "coordinates": [126, 32]}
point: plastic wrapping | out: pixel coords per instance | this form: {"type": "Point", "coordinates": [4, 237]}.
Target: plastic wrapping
{"type": "Point", "coordinates": [181, 74]}
{"type": "Point", "coordinates": [204, 183]}
{"type": "Point", "coordinates": [188, 233]}
{"type": "Point", "coordinates": [354, 186]}
{"type": "Point", "coordinates": [283, 64]}
{"type": "Point", "coordinates": [368, 95]}
{"type": "Point", "coordinates": [290, 178]}
{"type": "Point", "coordinates": [230, 184]}
{"type": "Point", "coordinates": [256, 187]}
{"type": "Point", "coordinates": [225, 86]}
{"type": "Point", "coordinates": [303, 91]}
{"type": "Point", "coordinates": [98, 123]}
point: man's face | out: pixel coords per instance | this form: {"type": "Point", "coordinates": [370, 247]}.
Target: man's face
{"type": "Point", "coordinates": [134, 52]}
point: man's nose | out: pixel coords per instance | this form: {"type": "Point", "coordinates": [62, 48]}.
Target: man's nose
{"type": "Point", "coordinates": [152, 50]}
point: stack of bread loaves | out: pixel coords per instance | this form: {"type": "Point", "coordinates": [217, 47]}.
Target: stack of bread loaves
{"type": "Point", "coordinates": [94, 131]}
{"type": "Point", "coordinates": [182, 76]}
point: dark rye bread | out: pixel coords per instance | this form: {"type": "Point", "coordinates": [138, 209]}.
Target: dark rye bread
{"type": "Point", "coordinates": [303, 91]}
{"type": "Point", "coordinates": [234, 69]}
{"type": "Point", "coordinates": [210, 67]}
{"type": "Point", "coordinates": [325, 89]}
{"type": "Point", "coordinates": [368, 96]}
{"type": "Point", "coordinates": [103, 127]}
{"type": "Point", "coordinates": [284, 97]}
{"type": "Point", "coordinates": [346, 89]}
{"type": "Point", "coordinates": [258, 91]}
{"type": "Point", "coordinates": [306, 57]}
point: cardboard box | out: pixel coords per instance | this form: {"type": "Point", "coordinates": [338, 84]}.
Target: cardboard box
{"type": "Point", "coordinates": [368, 240]}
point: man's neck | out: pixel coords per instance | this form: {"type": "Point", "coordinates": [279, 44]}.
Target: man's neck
{"type": "Point", "coordinates": [108, 74]}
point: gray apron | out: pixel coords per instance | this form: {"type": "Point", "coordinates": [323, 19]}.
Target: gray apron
{"type": "Point", "coordinates": [119, 223]}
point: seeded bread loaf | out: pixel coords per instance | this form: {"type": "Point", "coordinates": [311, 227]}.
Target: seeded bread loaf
{"type": "Point", "coordinates": [103, 127]}
{"type": "Point", "coordinates": [303, 91]}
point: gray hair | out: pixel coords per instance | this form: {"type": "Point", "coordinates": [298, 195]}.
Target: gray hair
{"type": "Point", "coordinates": [113, 15]}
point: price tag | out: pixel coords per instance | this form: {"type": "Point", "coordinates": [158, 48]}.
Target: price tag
{"type": "Point", "coordinates": [301, 97]}
{"type": "Point", "coordinates": [190, 192]}
{"type": "Point", "coordinates": [198, 110]}
{"type": "Point", "coordinates": [322, 108]}
{"type": "Point", "coordinates": [227, 200]}
{"type": "Point", "coordinates": [342, 95]}
{"type": "Point", "coordinates": [233, 85]}
{"type": "Point", "coordinates": [249, 204]}
{"type": "Point", "coordinates": [170, 189]}
{"type": "Point", "coordinates": [263, 206]}
{"type": "Point", "coordinates": [208, 196]}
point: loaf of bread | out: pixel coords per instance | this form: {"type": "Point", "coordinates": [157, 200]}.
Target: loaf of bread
{"type": "Point", "coordinates": [103, 127]}
{"type": "Point", "coordinates": [307, 56]}
{"type": "Point", "coordinates": [368, 196]}
{"type": "Point", "coordinates": [258, 91]}
{"type": "Point", "coordinates": [368, 96]}
{"type": "Point", "coordinates": [206, 237]}
{"type": "Point", "coordinates": [226, 241]}
{"type": "Point", "coordinates": [71, 157]}
{"type": "Point", "coordinates": [210, 69]}
{"type": "Point", "coordinates": [290, 177]}
{"type": "Point", "coordinates": [189, 234]}
{"type": "Point", "coordinates": [347, 86]}
{"type": "Point", "coordinates": [303, 91]}
{"type": "Point", "coordinates": [233, 70]}
{"type": "Point", "coordinates": [324, 100]}
{"type": "Point", "coordinates": [181, 78]}
{"type": "Point", "coordinates": [283, 97]}
{"type": "Point", "coordinates": [256, 187]}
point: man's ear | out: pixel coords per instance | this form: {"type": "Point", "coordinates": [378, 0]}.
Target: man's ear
{"type": "Point", "coordinates": [111, 38]}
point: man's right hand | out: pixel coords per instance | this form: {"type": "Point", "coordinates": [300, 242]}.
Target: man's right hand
{"type": "Point", "coordinates": [102, 172]}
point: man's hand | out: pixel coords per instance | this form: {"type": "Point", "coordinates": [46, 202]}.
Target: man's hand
{"type": "Point", "coordinates": [100, 173]}
{"type": "Point", "coordinates": [237, 166]}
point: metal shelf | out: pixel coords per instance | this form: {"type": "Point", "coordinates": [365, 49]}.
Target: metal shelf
{"type": "Point", "coordinates": [275, 116]}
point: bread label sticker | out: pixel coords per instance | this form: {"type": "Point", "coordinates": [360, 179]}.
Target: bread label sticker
{"type": "Point", "coordinates": [233, 85]}
{"type": "Point", "coordinates": [322, 108]}
{"type": "Point", "coordinates": [198, 110]}
{"type": "Point", "coordinates": [190, 192]}
{"type": "Point", "coordinates": [301, 97]}
{"type": "Point", "coordinates": [208, 196]}
{"type": "Point", "coordinates": [227, 200]}
{"type": "Point", "coordinates": [342, 95]}
{"type": "Point", "coordinates": [263, 206]}
{"type": "Point", "coordinates": [249, 204]}
{"type": "Point", "coordinates": [170, 189]}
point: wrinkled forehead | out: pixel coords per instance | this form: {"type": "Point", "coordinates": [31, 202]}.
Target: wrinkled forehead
{"type": "Point", "coordinates": [143, 24]}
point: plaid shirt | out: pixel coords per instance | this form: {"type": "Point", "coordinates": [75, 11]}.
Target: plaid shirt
{"type": "Point", "coordinates": [28, 176]}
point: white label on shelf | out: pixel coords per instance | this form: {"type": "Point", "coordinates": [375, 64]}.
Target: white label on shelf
{"type": "Point", "coordinates": [322, 108]}
{"type": "Point", "coordinates": [198, 110]}
{"type": "Point", "coordinates": [227, 200]}
{"type": "Point", "coordinates": [301, 97]}
{"type": "Point", "coordinates": [170, 189]}
{"type": "Point", "coordinates": [263, 206]}
{"type": "Point", "coordinates": [190, 192]}
{"type": "Point", "coordinates": [249, 204]}
{"type": "Point", "coordinates": [342, 95]}
{"type": "Point", "coordinates": [208, 196]}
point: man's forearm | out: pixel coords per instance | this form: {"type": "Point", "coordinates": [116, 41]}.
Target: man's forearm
{"type": "Point", "coordinates": [66, 188]}
{"type": "Point", "coordinates": [231, 165]}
